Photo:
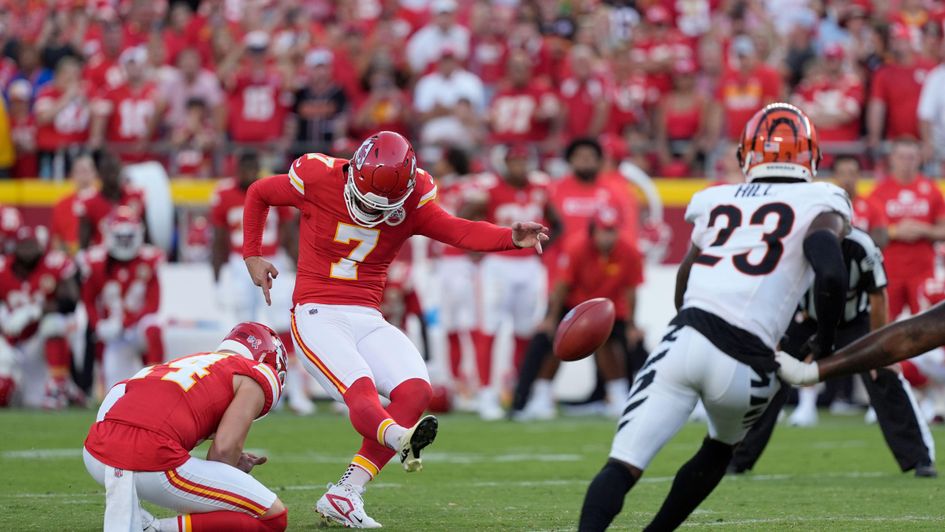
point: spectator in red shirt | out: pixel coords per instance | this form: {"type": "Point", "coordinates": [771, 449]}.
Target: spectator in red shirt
{"type": "Point", "coordinates": [584, 97]}
{"type": "Point", "coordinates": [916, 212]}
{"type": "Point", "coordinates": [62, 119]}
{"type": "Point", "coordinates": [94, 209]}
{"type": "Point", "coordinates": [22, 130]}
{"type": "Point", "coordinates": [895, 90]}
{"type": "Point", "coordinates": [633, 95]}
{"type": "Point", "coordinates": [525, 108]}
{"type": "Point", "coordinates": [193, 140]}
{"type": "Point", "coordinates": [259, 99]}
{"type": "Point", "coordinates": [64, 228]}
{"type": "Point", "coordinates": [867, 214]}
{"type": "Point", "coordinates": [386, 107]}
{"type": "Point", "coordinates": [744, 89]}
{"type": "Point", "coordinates": [128, 116]}
{"type": "Point", "coordinates": [659, 47]}
{"type": "Point", "coordinates": [102, 70]}
{"type": "Point", "coordinates": [679, 123]}
{"type": "Point", "coordinates": [832, 97]}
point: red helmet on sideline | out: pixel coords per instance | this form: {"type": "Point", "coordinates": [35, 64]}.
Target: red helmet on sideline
{"type": "Point", "coordinates": [124, 234]}
{"type": "Point", "coordinates": [381, 176]}
{"type": "Point", "coordinates": [257, 342]}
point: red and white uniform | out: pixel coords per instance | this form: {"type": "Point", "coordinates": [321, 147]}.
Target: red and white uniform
{"type": "Point", "coordinates": [342, 270]}
{"type": "Point", "coordinates": [129, 112]}
{"type": "Point", "coordinates": [579, 99]}
{"type": "Point", "coordinates": [457, 272]}
{"type": "Point", "coordinates": [590, 274]}
{"type": "Point", "coordinates": [96, 208]}
{"type": "Point", "coordinates": [237, 291]}
{"type": "Point", "coordinates": [672, 47]}
{"type": "Point", "coordinates": [741, 95]}
{"type": "Point", "coordinates": [129, 293]}
{"type": "Point", "coordinates": [829, 95]}
{"type": "Point", "coordinates": [65, 220]}
{"type": "Point", "coordinates": [69, 126]}
{"type": "Point", "coordinates": [258, 107]}
{"type": "Point", "coordinates": [513, 283]}
{"type": "Point", "coordinates": [24, 323]}
{"type": "Point", "coordinates": [631, 100]}
{"type": "Point", "coordinates": [10, 221]}
{"type": "Point", "coordinates": [908, 264]}
{"type": "Point", "coordinates": [867, 215]}
{"type": "Point", "coordinates": [400, 298]}
{"type": "Point", "coordinates": [515, 113]}
{"type": "Point", "coordinates": [148, 425]}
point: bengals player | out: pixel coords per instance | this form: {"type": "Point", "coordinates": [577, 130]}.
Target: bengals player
{"type": "Point", "coordinates": [139, 446]}
{"type": "Point", "coordinates": [38, 292]}
{"type": "Point", "coordinates": [356, 215]}
{"type": "Point", "coordinates": [122, 295]}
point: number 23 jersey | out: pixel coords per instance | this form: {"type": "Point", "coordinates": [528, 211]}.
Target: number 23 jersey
{"type": "Point", "coordinates": [751, 271]}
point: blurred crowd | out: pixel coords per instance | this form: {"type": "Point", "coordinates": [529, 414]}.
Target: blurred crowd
{"type": "Point", "coordinates": [665, 84]}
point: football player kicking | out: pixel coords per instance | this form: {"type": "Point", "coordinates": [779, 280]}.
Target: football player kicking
{"type": "Point", "coordinates": [755, 249]}
{"type": "Point", "coordinates": [147, 426]}
{"type": "Point", "coordinates": [356, 215]}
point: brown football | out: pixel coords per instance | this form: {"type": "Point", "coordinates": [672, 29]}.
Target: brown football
{"type": "Point", "coordinates": [585, 328]}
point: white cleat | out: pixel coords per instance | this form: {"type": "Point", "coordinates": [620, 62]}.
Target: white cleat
{"type": "Point", "coordinates": [414, 440]}
{"type": "Point", "coordinates": [803, 417]}
{"type": "Point", "coordinates": [489, 408]}
{"type": "Point", "coordinates": [870, 417]}
{"type": "Point", "coordinates": [342, 504]}
{"type": "Point", "coordinates": [301, 406]}
{"type": "Point", "coordinates": [538, 409]}
{"type": "Point", "coordinates": [149, 523]}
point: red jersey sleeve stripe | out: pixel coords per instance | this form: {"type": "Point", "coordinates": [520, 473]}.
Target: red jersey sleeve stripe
{"type": "Point", "coordinates": [310, 355]}
{"type": "Point", "coordinates": [428, 197]}
{"type": "Point", "coordinates": [274, 389]}
{"type": "Point", "coordinates": [296, 181]}
{"type": "Point", "coordinates": [215, 494]}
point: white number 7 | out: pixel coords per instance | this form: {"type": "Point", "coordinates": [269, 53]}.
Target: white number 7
{"type": "Point", "coordinates": [347, 267]}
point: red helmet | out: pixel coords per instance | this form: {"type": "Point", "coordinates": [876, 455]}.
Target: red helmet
{"type": "Point", "coordinates": [123, 234]}
{"type": "Point", "coordinates": [381, 176]}
{"type": "Point", "coordinates": [257, 342]}
{"type": "Point", "coordinates": [10, 222]}
{"type": "Point", "coordinates": [779, 141]}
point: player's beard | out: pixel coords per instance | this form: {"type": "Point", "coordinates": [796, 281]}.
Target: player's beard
{"type": "Point", "coordinates": [586, 175]}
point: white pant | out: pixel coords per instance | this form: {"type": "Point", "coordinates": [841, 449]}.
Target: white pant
{"type": "Point", "coordinates": [245, 301]}
{"type": "Point", "coordinates": [31, 361]}
{"type": "Point", "coordinates": [513, 288]}
{"type": "Point", "coordinates": [197, 486]}
{"type": "Point", "coordinates": [340, 344]}
{"type": "Point", "coordinates": [122, 356]}
{"type": "Point", "coordinates": [684, 368]}
{"type": "Point", "coordinates": [457, 279]}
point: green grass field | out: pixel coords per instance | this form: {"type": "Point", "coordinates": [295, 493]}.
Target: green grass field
{"type": "Point", "coordinates": [503, 476]}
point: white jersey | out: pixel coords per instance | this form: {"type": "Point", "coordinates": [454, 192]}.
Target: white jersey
{"type": "Point", "coordinates": [751, 271]}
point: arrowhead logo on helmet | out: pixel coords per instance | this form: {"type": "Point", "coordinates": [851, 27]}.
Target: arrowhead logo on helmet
{"type": "Point", "coordinates": [381, 177]}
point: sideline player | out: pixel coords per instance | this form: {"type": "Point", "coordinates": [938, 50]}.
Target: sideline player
{"type": "Point", "coordinates": [900, 419]}
{"type": "Point", "coordinates": [38, 292]}
{"type": "Point", "coordinates": [356, 215]}
{"type": "Point", "coordinates": [122, 296]}
{"type": "Point", "coordinates": [513, 284]}
{"type": "Point", "coordinates": [755, 249]}
{"type": "Point", "coordinates": [237, 293]}
{"type": "Point", "coordinates": [140, 443]}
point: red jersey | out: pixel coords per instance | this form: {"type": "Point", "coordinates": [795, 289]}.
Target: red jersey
{"type": "Point", "coordinates": [452, 194]}
{"type": "Point", "coordinates": [487, 57]}
{"type": "Point", "coordinates": [69, 126]}
{"type": "Point", "coordinates": [515, 113]}
{"type": "Point", "coordinates": [103, 72]}
{"type": "Point", "coordinates": [226, 211]}
{"type": "Point", "coordinates": [898, 88]}
{"type": "Point", "coordinates": [630, 100]}
{"type": "Point", "coordinates": [920, 200]}
{"type": "Point", "coordinates": [97, 207]}
{"type": "Point", "coordinates": [65, 221]}
{"type": "Point", "coordinates": [130, 111]}
{"type": "Point", "coordinates": [506, 204]}
{"type": "Point", "coordinates": [576, 202]}
{"type": "Point", "coordinates": [590, 274]}
{"type": "Point", "coordinates": [830, 95]}
{"type": "Point", "coordinates": [131, 287]}
{"type": "Point", "coordinates": [867, 215]}
{"type": "Point", "coordinates": [23, 133]}
{"type": "Point", "coordinates": [672, 47]}
{"type": "Point", "coordinates": [341, 262]}
{"type": "Point", "coordinates": [400, 298]}
{"type": "Point", "coordinates": [10, 221]}
{"type": "Point", "coordinates": [258, 107]}
{"type": "Point", "coordinates": [168, 409]}
{"type": "Point", "coordinates": [741, 95]}
{"type": "Point", "coordinates": [37, 288]}
{"type": "Point", "coordinates": [579, 100]}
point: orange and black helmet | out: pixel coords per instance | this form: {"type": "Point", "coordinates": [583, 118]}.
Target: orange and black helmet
{"type": "Point", "coordinates": [779, 142]}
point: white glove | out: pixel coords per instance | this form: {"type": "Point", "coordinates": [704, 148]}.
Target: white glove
{"type": "Point", "coordinates": [796, 372]}
{"type": "Point", "coordinates": [108, 330]}
{"type": "Point", "coordinates": [20, 318]}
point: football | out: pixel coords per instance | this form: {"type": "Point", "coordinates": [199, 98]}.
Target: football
{"type": "Point", "coordinates": [585, 328]}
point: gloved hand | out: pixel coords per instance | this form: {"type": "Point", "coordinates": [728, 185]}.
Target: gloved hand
{"type": "Point", "coordinates": [110, 329]}
{"type": "Point", "coordinates": [796, 372]}
{"type": "Point", "coordinates": [19, 318]}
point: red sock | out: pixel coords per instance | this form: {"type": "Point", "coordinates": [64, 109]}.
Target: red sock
{"type": "Point", "coordinates": [484, 357]}
{"type": "Point", "coordinates": [521, 345]}
{"type": "Point", "coordinates": [57, 358]}
{"type": "Point", "coordinates": [456, 355]}
{"type": "Point", "coordinates": [155, 351]}
{"type": "Point", "coordinates": [230, 521]}
{"type": "Point", "coordinates": [408, 401]}
{"type": "Point", "coordinates": [365, 410]}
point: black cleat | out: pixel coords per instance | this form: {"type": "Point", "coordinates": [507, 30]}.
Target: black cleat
{"type": "Point", "coordinates": [414, 440]}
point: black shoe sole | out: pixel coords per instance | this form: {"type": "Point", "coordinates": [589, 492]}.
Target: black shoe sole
{"type": "Point", "coordinates": [424, 435]}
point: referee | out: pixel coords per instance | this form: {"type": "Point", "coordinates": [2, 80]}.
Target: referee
{"type": "Point", "coordinates": [900, 420]}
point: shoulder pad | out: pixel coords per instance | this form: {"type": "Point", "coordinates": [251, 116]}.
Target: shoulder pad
{"type": "Point", "coordinates": [426, 187]}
